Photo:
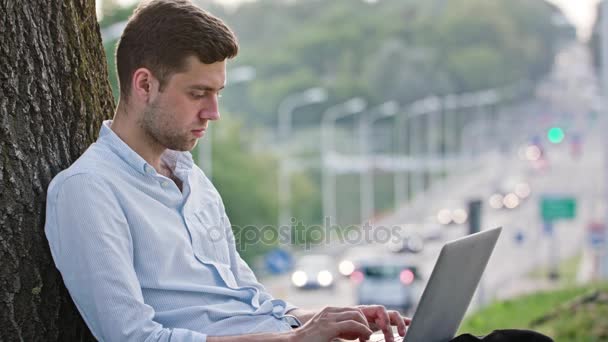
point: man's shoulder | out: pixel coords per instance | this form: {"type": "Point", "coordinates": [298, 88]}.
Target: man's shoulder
{"type": "Point", "coordinates": [93, 165]}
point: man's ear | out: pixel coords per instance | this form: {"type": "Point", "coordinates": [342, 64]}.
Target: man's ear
{"type": "Point", "coordinates": [143, 84]}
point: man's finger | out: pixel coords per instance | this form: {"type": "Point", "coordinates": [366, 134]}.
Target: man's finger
{"type": "Point", "coordinates": [386, 324]}
{"type": "Point", "coordinates": [399, 321]}
{"type": "Point", "coordinates": [380, 318]}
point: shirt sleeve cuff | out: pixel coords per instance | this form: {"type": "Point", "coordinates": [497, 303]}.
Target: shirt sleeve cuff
{"type": "Point", "coordinates": [289, 307]}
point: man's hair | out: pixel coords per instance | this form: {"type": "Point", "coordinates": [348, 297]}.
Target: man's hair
{"type": "Point", "coordinates": [161, 34]}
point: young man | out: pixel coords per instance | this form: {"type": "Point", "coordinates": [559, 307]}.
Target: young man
{"type": "Point", "coordinates": [139, 233]}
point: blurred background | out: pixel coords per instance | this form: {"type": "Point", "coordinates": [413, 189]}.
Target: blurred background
{"type": "Point", "coordinates": [359, 136]}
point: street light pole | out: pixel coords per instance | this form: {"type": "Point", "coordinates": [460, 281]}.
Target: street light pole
{"type": "Point", "coordinates": [285, 113]}
{"type": "Point", "coordinates": [417, 110]}
{"type": "Point", "coordinates": [403, 149]}
{"type": "Point", "coordinates": [291, 103]}
{"type": "Point", "coordinates": [433, 120]}
{"type": "Point", "coordinates": [455, 103]}
{"type": "Point", "coordinates": [449, 128]}
{"type": "Point", "coordinates": [366, 122]}
{"type": "Point", "coordinates": [470, 140]}
{"type": "Point", "coordinates": [331, 115]}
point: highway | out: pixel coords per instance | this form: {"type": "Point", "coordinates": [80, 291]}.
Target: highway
{"type": "Point", "coordinates": [523, 246]}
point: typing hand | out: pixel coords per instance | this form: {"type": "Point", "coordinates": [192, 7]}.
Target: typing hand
{"type": "Point", "coordinates": [379, 318]}
{"type": "Point", "coordinates": [346, 323]}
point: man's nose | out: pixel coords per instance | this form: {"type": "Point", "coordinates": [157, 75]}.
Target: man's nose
{"type": "Point", "coordinates": [211, 110]}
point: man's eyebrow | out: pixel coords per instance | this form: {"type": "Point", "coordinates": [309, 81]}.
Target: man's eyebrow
{"type": "Point", "coordinates": [204, 87]}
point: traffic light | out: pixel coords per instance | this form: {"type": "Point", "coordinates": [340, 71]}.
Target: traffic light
{"type": "Point", "coordinates": [555, 135]}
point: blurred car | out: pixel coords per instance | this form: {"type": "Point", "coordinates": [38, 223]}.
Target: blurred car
{"type": "Point", "coordinates": [408, 240]}
{"type": "Point", "coordinates": [412, 243]}
{"type": "Point", "coordinates": [452, 213]}
{"type": "Point", "coordinates": [509, 194]}
{"type": "Point", "coordinates": [389, 282]}
{"type": "Point", "coordinates": [535, 154]}
{"type": "Point", "coordinates": [314, 272]}
{"type": "Point", "coordinates": [351, 257]}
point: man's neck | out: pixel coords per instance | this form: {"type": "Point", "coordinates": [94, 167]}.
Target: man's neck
{"type": "Point", "coordinates": [128, 129]}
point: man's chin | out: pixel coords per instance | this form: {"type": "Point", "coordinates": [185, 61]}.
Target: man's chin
{"type": "Point", "coordinates": [185, 147]}
{"type": "Point", "coordinates": [188, 147]}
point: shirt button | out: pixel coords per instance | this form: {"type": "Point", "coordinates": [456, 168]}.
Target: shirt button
{"type": "Point", "coordinates": [164, 184]}
{"type": "Point", "coordinates": [148, 169]}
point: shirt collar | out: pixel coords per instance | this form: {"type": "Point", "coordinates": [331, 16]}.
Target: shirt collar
{"type": "Point", "coordinates": [178, 161]}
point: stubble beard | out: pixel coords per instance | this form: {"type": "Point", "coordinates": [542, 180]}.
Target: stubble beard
{"type": "Point", "coordinates": [156, 124]}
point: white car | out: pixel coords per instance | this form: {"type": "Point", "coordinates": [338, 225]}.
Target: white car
{"type": "Point", "coordinates": [314, 272]}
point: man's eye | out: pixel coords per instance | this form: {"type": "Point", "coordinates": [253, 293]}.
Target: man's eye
{"type": "Point", "coordinates": [198, 96]}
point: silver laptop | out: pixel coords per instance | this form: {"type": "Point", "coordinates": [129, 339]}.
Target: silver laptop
{"type": "Point", "coordinates": [450, 288]}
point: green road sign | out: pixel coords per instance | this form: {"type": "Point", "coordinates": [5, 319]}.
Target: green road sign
{"type": "Point", "coordinates": [554, 208]}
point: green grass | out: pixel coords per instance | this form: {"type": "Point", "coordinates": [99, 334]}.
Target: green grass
{"type": "Point", "coordinates": [579, 322]}
{"type": "Point", "coordinates": [566, 322]}
{"type": "Point", "coordinates": [567, 271]}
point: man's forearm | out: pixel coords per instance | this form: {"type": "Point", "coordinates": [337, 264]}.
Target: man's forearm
{"type": "Point", "coordinates": [287, 336]}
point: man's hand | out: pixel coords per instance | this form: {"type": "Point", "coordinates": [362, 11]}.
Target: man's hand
{"type": "Point", "coordinates": [332, 322]}
{"type": "Point", "coordinates": [379, 318]}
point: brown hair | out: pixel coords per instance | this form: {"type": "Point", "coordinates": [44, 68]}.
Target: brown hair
{"type": "Point", "coordinates": [161, 34]}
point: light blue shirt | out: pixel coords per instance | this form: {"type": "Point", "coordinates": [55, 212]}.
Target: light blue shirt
{"type": "Point", "coordinates": [144, 261]}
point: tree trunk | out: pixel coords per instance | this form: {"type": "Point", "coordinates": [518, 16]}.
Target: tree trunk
{"type": "Point", "coordinates": [54, 94]}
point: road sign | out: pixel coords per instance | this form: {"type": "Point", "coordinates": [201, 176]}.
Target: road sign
{"type": "Point", "coordinates": [519, 237]}
{"type": "Point", "coordinates": [278, 261]}
{"type": "Point", "coordinates": [553, 208]}
{"type": "Point", "coordinates": [597, 235]}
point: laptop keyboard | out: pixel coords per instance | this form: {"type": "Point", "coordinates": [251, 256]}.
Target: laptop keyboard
{"type": "Point", "coordinates": [397, 339]}
{"type": "Point", "coordinates": [380, 338]}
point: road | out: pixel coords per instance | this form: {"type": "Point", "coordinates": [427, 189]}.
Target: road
{"type": "Point", "coordinates": [513, 259]}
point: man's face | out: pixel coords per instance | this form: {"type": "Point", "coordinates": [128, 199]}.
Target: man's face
{"type": "Point", "coordinates": [179, 115]}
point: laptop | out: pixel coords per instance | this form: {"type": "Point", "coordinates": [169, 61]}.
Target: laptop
{"type": "Point", "coordinates": [450, 288]}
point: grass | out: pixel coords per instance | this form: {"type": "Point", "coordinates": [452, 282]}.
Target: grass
{"type": "Point", "coordinates": [562, 314]}
{"type": "Point", "coordinates": [579, 321]}
{"type": "Point", "coordinates": [567, 271]}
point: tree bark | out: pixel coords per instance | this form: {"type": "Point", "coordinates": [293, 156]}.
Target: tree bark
{"type": "Point", "coordinates": [54, 93]}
